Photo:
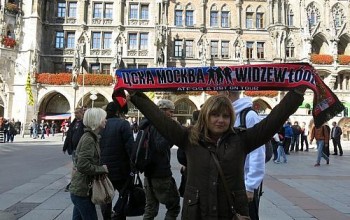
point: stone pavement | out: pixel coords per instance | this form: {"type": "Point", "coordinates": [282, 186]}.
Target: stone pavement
{"type": "Point", "coordinates": [295, 190]}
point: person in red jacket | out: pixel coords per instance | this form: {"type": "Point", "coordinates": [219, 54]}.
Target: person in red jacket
{"type": "Point", "coordinates": [321, 134]}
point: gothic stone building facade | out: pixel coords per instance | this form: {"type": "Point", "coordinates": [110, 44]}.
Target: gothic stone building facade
{"type": "Point", "coordinates": [93, 37]}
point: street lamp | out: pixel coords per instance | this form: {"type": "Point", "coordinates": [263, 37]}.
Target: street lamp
{"type": "Point", "coordinates": [93, 97]}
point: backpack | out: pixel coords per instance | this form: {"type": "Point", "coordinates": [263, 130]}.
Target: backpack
{"type": "Point", "coordinates": [142, 154]}
{"type": "Point", "coordinates": [268, 145]}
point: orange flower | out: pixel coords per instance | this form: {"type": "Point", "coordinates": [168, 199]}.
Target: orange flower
{"type": "Point", "coordinates": [95, 79]}
{"type": "Point", "coordinates": [321, 59]}
{"type": "Point", "coordinates": [54, 79]}
{"type": "Point", "coordinates": [266, 93]}
{"type": "Point", "coordinates": [344, 59]}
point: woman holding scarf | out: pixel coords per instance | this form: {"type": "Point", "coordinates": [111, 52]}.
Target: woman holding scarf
{"type": "Point", "coordinates": [205, 196]}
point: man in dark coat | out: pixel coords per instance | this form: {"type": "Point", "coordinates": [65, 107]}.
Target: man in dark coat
{"type": "Point", "coordinates": [336, 135]}
{"type": "Point", "coordinates": [116, 145]}
{"type": "Point", "coordinates": [158, 174]}
{"type": "Point", "coordinates": [75, 131]}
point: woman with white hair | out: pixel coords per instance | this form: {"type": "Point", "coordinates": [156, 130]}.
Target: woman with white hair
{"type": "Point", "coordinates": [87, 165]}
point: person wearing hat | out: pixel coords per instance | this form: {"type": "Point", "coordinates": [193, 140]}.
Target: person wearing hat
{"type": "Point", "coordinates": [116, 146]}
{"type": "Point", "coordinates": [160, 186]}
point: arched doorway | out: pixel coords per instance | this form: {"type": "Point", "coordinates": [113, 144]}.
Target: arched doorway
{"type": "Point", "coordinates": [99, 102]}
{"type": "Point", "coordinates": [54, 107]}
{"type": "Point", "coordinates": [183, 111]}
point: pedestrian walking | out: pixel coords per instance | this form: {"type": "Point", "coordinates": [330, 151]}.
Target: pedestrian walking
{"type": "Point", "coordinates": [288, 135]}
{"type": "Point", "coordinates": [281, 154]}
{"type": "Point", "coordinates": [336, 136]}
{"type": "Point", "coordinates": [116, 146]}
{"type": "Point", "coordinates": [213, 139]}
{"type": "Point", "coordinates": [53, 128]}
{"type": "Point", "coordinates": [87, 165]}
{"type": "Point", "coordinates": [304, 137]}
{"type": "Point", "coordinates": [158, 173]}
{"type": "Point", "coordinates": [74, 133]}
{"type": "Point", "coordinates": [321, 134]}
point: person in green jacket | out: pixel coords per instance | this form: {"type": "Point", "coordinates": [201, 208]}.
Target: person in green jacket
{"type": "Point", "coordinates": [86, 163]}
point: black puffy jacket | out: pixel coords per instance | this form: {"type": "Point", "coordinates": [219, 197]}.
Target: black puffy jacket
{"type": "Point", "coordinates": [160, 151]}
{"type": "Point", "coordinates": [116, 145]}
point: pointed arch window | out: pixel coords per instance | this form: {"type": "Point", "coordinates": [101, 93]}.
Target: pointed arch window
{"type": "Point", "coordinates": [189, 16]}
{"type": "Point", "coordinates": [225, 17]}
{"type": "Point", "coordinates": [214, 16]}
{"type": "Point", "coordinates": [249, 17]}
{"type": "Point", "coordinates": [260, 18]}
{"type": "Point", "coordinates": [290, 19]}
{"type": "Point", "coordinates": [178, 15]}
{"type": "Point", "coordinates": [338, 16]}
{"type": "Point", "coordinates": [313, 15]}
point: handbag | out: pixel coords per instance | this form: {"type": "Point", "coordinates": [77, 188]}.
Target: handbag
{"type": "Point", "coordinates": [132, 197]}
{"type": "Point", "coordinates": [102, 190]}
{"type": "Point", "coordinates": [236, 216]}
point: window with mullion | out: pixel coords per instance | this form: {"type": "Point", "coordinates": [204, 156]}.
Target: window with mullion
{"type": "Point", "coordinates": [59, 39]}
{"type": "Point", "coordinates": [72, 13]}
{"type": "Point", "coordinates": [178, 48]}
{"type": "Point", "coordinates": [133, 41]}
{"type": "Point", "coordinates": [106, 69]}
{"type": "Point", "coordinates": [143, 41]}
{"type": "Point", "coordinates": [95, 68]}
{"type": "Point", "coordinates": [189, 48]}
{"type": "Point", "coordinates": [96, 40]}
{"type": "Point", "coordinates": [189, 18]}
{"type": "Point", "coordinates": [213, 19]}
{"type": "Point", "coordinates": [97, 10]}
{"type": "Point", "coordinates": [144, 12]}
{"type": "Point", "coordinates": [249, 20]}
{"type": "Point", "coordinates": [178, 18]}
{"type": "Point", "coordinates": [133, 12]}
{"type": "Point", "coordinates": [61, 9]}
{"type": "Point", "coordinates": [214, 49]}
{"type": "Point", "coordinates": [224, 49]}
{"type": "Point", "coordinates": [224, 19]}
{"type": "Point", "coordinates": [107, 39]}
{"type": "Point", "coordinates": [108, 11]}
{"type": "Point", "coordinates": [290, 51]}
{"type": "Point", "coordinates": [249, 50]}
{"type": "Point", "coordinates": [71, 40]}
{"type": "Point", "coordinates": [260, 50]}
{"type": "Point", "coordinates": [259, 20]}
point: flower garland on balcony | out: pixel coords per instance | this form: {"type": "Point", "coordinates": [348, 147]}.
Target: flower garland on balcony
{"type": "Point", "coordinates": [66, 78]}
{"type": "Point", "coordinates": [95, 79]}
{"type": "Point", "coordinates": [54, 79]}
{"type": "Point", "coordinates": [267, 93]}
{"type": "Point", "coordinates": [321, 59]}
{"type": "Point", "coordinates": [344, 59]}
{"type": "Point", "coordinates": [8, 41]}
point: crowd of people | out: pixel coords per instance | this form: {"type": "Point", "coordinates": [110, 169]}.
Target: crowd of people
{"type": "Point", "coordinates": [10, 129]}
{"type": "Point", "coordinates": [292, 138]}
{"type": "Point", "coordinates": [102, 141]}
{"type": "Point", "coordinates": [213, 135]}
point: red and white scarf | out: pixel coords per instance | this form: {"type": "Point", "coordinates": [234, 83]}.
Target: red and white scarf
{"type": "Point", "coordinates": [284, 76]}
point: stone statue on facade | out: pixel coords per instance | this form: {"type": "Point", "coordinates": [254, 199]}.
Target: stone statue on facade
{"type": "Point", "coordinates": [160, 58]}
{"type": "Point", "coordinates": [76, 67]}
